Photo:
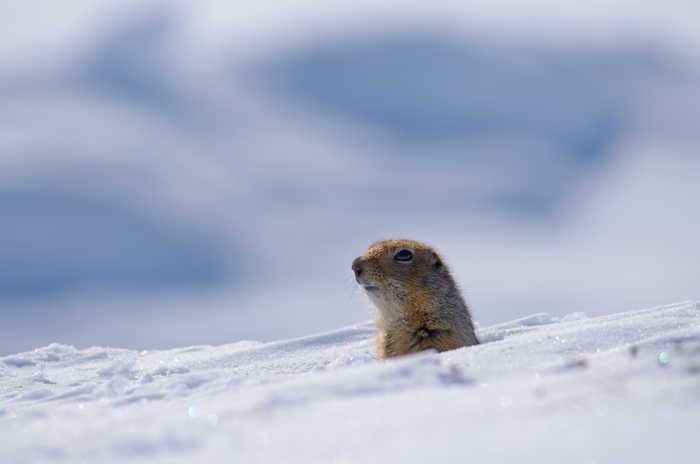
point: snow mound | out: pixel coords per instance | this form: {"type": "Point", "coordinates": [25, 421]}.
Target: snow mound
{"type": "Point", "coordinates": [619, 388]}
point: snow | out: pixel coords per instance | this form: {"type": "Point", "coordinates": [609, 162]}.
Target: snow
{"type": "Point", "coordinates": [612, 389]}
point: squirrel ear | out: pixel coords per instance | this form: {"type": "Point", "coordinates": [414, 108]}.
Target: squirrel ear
{"type": "Point", "coordinates": [437, 262]}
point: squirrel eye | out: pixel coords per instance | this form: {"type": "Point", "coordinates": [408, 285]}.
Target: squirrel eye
{"type": "Point", "coordinates": [403, 255]}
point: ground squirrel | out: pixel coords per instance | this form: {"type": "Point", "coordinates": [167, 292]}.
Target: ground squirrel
{"type": "Point", "coordinates": [419, 304]}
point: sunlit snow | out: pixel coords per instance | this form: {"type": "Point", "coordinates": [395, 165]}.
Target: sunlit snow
{"type": "Point", "coordinates": [612, 389]}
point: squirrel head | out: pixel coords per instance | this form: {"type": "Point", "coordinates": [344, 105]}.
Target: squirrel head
{"type": "Point", "coordinates": [392, 272]}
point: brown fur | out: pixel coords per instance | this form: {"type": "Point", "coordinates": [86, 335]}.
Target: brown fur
{"type": "Point", "coordinates": [418, 302]}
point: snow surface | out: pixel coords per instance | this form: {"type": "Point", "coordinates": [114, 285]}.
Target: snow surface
{"type": "Point", "coordinates": [613, 389]}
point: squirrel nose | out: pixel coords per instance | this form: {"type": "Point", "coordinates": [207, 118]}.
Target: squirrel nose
{"type": "Point", "coordinates": [357, 268]}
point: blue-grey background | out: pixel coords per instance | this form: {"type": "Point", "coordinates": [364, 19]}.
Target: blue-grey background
{"type": "Point", "coordinates": [200, 173]}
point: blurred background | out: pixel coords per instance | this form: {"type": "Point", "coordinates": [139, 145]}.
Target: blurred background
{"type": "Point", "coordinates": [202, 172]}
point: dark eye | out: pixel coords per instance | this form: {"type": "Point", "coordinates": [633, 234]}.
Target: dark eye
{"type": "Point", "coordinates": [403, 255]}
